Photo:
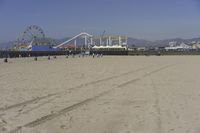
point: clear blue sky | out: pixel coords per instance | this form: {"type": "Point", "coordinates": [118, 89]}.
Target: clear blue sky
{"type": "Point", "coordinates": [144, 19]}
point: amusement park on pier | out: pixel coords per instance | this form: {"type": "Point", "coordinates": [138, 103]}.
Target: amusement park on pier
{"type": "Point", "coordinates": [34, 39]}
{"type": "Point", "coordinates": [34, 42]}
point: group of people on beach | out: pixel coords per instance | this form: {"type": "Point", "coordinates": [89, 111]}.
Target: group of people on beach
{"type": "Point", "coordinates": [83, 55]}
{"type": "Point", "coordinates": [67, 56]}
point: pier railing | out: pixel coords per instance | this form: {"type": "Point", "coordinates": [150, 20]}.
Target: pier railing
{"type": "Point", "coordinates": [15, 54]}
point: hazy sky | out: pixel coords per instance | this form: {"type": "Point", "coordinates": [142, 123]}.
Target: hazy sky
{"type": "Point", "coordinates": [143, 19]}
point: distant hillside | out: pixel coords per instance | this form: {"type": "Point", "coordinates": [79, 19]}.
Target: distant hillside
{"type": "Point", "coordinates": [5, 45]}
{"type": "Point", "coordinates": [133, 42]}
{"type": "Point", "coordinates": [162, 43]}
{"type": "Point", "coordinates": [159, 43]}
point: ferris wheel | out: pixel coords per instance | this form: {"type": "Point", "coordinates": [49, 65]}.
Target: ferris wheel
{"type": "Point", "coordinates": [32, 34]}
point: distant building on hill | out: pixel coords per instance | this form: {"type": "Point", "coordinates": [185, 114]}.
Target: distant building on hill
{"type": "Point", "coordinates": [172, 44]}
{"type": "Point", "coordinates": [181, 46]}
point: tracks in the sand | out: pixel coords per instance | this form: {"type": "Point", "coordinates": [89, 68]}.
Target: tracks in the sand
{"type": "Point", "coordinates": [143, 76]}
{"type": "Point", "coordinates": [29, 106]}
{"type": "Point", "coordinates": [58, 113]}
{"type": "Point", "coordinates": [25, 103]}
{"type": "Point", "coordinates": [49, 117]}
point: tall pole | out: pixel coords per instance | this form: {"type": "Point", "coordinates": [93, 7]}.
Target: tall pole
{"type": "Point", "coordinates": [110, 43]}
{"type": "Point", "coordinates": [100, 41]}
{"type": "Point", "coordinates": [126, 40]}
{"type": "Point", "coordinates": [91, 41]}
{"type": "Point", "coordinates": [120, 40]}
{"type": "Point", "coordinates": [75, 44]}
{"type": "Point", "coordinates": [85, 41]}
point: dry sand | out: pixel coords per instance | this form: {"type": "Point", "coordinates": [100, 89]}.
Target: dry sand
{"type": "Point", "coordinates": [112, 94]}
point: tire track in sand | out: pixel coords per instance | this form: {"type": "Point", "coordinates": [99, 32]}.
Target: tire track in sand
{"type": "Point", "coordinates": [25, 103]}
{"type": "Point", "coordinates": [54, 115]}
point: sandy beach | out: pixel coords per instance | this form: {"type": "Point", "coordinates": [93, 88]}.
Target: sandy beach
{"type": "Point", "coordinates": [113, 94]}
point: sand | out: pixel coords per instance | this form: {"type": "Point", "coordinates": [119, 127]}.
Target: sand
{"type": "Point", "coordinates": [113, 94]}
